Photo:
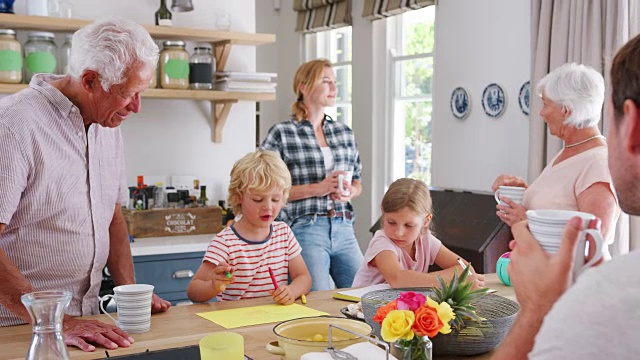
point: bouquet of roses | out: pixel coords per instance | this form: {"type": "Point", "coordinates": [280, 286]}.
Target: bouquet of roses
{"type": "Point", "coordinates": [413, 318]}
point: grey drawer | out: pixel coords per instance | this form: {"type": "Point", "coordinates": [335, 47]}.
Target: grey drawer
{"type": "Point", "coordinates": [167, 273]}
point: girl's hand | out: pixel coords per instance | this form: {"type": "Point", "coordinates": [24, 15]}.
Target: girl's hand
{"type": "Point", "coordinates": [283, 295]}
{"type": "Point", "coordinates": [220, 279]}
{"type": "Point", "coordinates": [508, 180]}
{"type": "Point", "coordinates": [511, 214]}
{"type": "Point", "coordinates": [478, 280]}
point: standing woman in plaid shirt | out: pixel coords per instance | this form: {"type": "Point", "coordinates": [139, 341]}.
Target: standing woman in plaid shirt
{"type": "Point", "coordinates": [317, 150]}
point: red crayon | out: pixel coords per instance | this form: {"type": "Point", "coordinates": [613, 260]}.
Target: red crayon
{"type": "Point", "coordinates": [273, 279]}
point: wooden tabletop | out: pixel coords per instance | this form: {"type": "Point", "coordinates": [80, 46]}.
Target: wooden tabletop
{"type": "Point", "coordinates": [179, 327]}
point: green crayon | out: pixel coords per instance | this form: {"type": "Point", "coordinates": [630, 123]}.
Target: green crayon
{"type": "Point", "coordinates": [227, 274]}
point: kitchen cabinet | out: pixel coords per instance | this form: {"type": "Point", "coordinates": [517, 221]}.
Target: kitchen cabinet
{"type": "Point", "coordinates": [168, 273]}
{"type": "Point", "coordinates": [222, 42]}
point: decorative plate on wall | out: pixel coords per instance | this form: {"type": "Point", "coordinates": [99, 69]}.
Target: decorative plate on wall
{"type": "Point", "coordinates": [460, 103]}
{"type": "Point", "coordinates": [523, 97]}
{"type": "Point", "coordinates": [494, 100]}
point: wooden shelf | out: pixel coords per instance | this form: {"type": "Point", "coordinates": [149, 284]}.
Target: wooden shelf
{"type": "Point", "coordinates": [44, 23]}
{"type": "Point", "coordinates": [208, 95]}
{"type": "Point", "coordinates": [222, 42]}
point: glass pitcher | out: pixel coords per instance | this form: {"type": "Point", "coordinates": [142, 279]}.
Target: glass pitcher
{"type": "Point", "coordinates": [46, 309]}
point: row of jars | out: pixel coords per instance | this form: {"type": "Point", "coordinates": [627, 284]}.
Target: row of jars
{"type": "Point", "coordinates": [179, 71]}
{"type": "Point", "coordinates": [41, 55]}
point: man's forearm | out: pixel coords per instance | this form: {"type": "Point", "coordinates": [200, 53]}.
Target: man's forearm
{"type": "Point", "coordinates": [14, 285]}
{"type": "Point", "coordinates": [520, 339]}
{"type": "Point", "coordinates": [120, 261]}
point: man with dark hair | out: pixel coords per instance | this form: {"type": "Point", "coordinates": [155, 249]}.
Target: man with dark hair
{"type": "Point", "coordinates": [598, 316]}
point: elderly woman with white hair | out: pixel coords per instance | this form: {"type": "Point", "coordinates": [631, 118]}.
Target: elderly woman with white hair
{"type": "Point", "coordinates": [578, 177]}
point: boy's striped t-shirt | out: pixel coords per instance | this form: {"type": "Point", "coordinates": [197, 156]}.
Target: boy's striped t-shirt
{"type": "Point", "coordinates": [251, 260]}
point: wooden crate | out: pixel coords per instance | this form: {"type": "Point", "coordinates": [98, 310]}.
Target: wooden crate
{"type": "Point", "coordinates": [173, 222]}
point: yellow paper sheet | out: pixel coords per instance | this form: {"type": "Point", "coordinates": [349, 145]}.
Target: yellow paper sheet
{"type": "Point", "coordinates": [255, 315]}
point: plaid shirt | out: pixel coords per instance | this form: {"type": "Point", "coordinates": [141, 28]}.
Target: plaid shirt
{"type": "Point", "coordinates": [297, 145]}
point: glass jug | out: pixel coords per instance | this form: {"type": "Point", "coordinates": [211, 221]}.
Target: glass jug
{"type": "Point", "coordinates": [46, 309]}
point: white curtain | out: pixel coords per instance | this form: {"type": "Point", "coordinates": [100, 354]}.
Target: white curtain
{"type": "Point", "coordinates": [586, 32]}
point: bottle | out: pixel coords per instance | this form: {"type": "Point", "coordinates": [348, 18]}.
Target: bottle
{"type": "Point", "coordinates": [163, 15]}
{"type": "Point", "coordinates": [202, 201]}
{"type": "Point", "coordinates": [201, 66]}
{"type": "Point", "coordinates": [46, 309]}
{"type": "Point", "coordinates": [224, 211]}
{"type": "Point", "coordinates": [158, 196]}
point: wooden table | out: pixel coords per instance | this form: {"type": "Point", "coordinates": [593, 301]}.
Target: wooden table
{"type": "Point", "coordinates": [179, 327]}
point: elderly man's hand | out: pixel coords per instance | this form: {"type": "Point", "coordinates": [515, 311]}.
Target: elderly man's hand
{"type": "Point", "coordinates": [158, 304]}
{"type": "Point", "coordinates": [540, 278]}
{"type": "Point", "coordinates": [83, 333]}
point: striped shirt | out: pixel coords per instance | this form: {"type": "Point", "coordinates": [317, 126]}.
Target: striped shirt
{"type": "Point", "coordinates": [251, 260]}
{"type": "Point", "coordinates": [297, 145]}
{"type": "Point", "coordinates": [60, 185]}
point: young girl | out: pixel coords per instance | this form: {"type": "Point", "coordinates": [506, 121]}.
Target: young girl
{"type": "Point", "coordinates": [239, 259]}
{"type": "Point", "coordinates": [400, 253]}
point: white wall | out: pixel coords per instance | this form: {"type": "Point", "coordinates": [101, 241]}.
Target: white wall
{"type": "Point", "coordinates": [170, 137]}
{"type": "Point", "coordinates": [283, 57]}
{"type": "Point", "coordinates": [478, 43]}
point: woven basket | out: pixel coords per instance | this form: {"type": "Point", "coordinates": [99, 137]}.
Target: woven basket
{"type": "Point", "coordinates": [476, 338]}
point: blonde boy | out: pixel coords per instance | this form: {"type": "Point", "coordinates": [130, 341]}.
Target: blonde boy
{"type": "Point", "coordinates": [237, 263]}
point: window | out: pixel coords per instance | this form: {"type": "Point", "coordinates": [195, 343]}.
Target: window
{"type": "Point", "coordinates": [335, 45]}
{"type": "Point", "coordinates": [411, 76]}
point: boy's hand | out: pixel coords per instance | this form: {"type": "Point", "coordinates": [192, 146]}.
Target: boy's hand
{"type": "Point", "coordinates": [220, 279]}
{"type": "Point", "coordinates": [283, 295]}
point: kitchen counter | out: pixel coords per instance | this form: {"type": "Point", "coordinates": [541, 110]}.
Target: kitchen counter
{"type": "Point", "coordinates": [180, 327]}
{"type": "Point", "coordinates": [170, 244]}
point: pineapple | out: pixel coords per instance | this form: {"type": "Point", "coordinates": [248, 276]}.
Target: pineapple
{"type": "Point", "coordinates": [459, 296]}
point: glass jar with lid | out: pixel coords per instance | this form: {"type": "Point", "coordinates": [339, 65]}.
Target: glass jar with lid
{"type": "Point", "coordinates": [201, 67]}
{"type": "Point", "coordinates": [40, 54]}
{"type": "Point", "coordinates": [174, 66]}
{"type": "Point", "coordinates": [10, 58]}
{"type": "Point", "coordinates": [65, 53]}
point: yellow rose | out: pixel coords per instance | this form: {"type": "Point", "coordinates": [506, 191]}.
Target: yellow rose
{"type": "Point", "coordinates": [397, 325]}
{"type": "Point", "coordinates": [445, 313]}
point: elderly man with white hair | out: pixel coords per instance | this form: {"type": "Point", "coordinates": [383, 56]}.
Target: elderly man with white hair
{"type": "Point", "coordinates": [62, 179]}
{"type": "Point", "coordinates": [578, 177]}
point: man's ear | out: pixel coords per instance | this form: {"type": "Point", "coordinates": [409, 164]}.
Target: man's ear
{"type": "Point", "coordinates": [630, 128]}
{"type": "Point", "coordinates": [89, 79]}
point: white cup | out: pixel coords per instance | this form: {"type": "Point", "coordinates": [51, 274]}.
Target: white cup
{"type": "Point", "coordinates": [514, 193]}
{"type": "Point", "coordinates": [548, 227]}
{"type": "Point", "coordinates": [38, 7]}
{"type": "Point", "coordinates": [134, 307]}
{"type": "Point", "coordinates": [347, 176]}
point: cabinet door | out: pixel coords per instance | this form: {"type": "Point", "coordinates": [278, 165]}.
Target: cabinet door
{"type": "Point", "coordinates": [167, 273]}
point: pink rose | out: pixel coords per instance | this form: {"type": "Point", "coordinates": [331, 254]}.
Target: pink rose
{"type": "Point", "coordinates": [410, 301]}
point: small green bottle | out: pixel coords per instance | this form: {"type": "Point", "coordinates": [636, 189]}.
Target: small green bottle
{"type": "Point", "coordinates": [202, 201]}
{"type": "Point", "coordinates": [163, 15]}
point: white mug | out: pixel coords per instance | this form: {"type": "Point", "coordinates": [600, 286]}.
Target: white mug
{"type": "Point", "coordinates": [548, 227]}
{"type": "Point", "coordinates": [342, 178]}
{"type": "Point", "coordinates": [514, 193]}
{"type": "Point", "coordinates": [134, 307]}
